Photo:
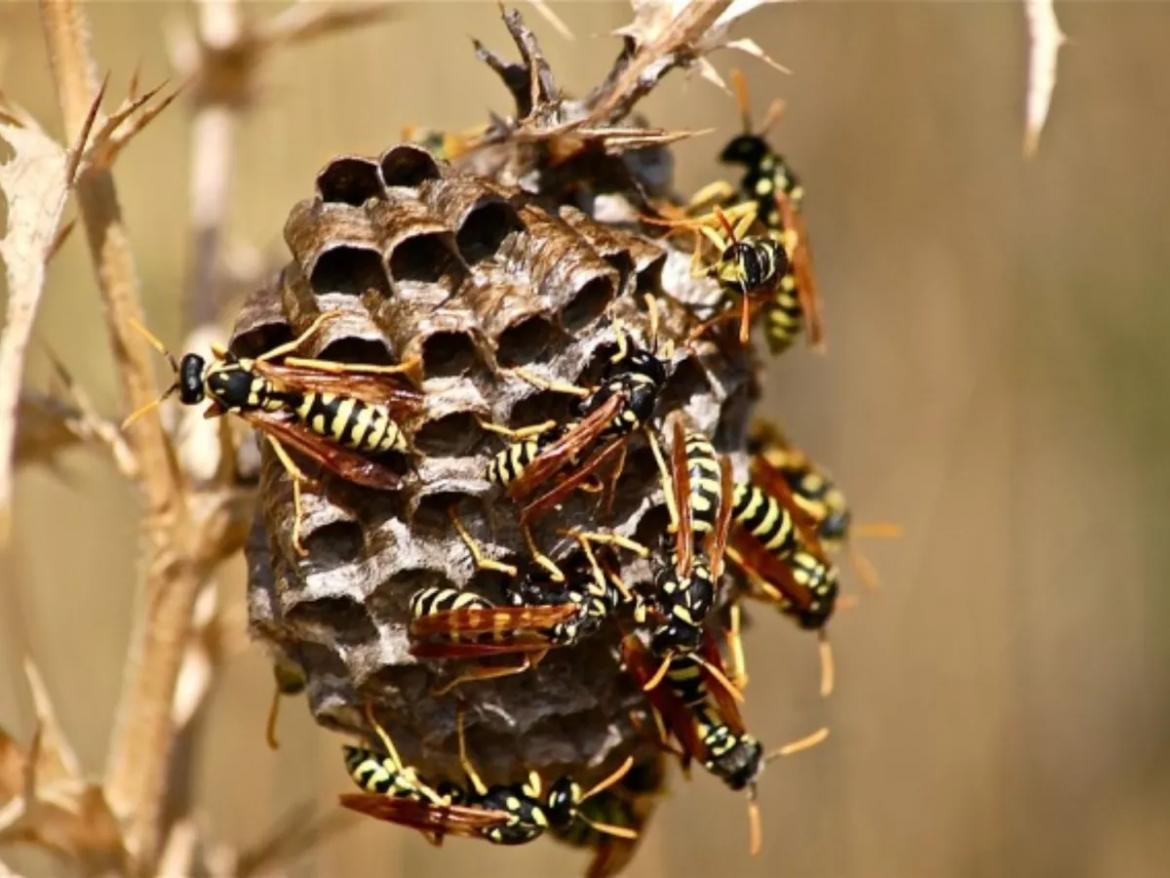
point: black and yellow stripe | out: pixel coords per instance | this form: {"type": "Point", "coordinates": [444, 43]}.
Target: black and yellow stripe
{"type": "Point", "coordinates": [350, 422]}
{"type": "Point", "coordinates": [704, 475]}
{"type": "Point", "coordinates": [765, 518]}
{"type": "Point", "coordinates": [820, 579]}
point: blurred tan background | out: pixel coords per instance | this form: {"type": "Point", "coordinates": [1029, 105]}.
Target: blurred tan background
{"type": "Point", "coordinates": [996, 382]}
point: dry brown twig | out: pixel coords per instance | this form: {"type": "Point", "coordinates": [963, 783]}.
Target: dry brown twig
{"type": "Point", "coordinates": [141, 740]}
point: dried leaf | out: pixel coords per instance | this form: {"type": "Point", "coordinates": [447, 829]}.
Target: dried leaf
{"type": "Point", "coordinates": [35, 185]}
{"type": "Point", "coordinates": [1046, 38]}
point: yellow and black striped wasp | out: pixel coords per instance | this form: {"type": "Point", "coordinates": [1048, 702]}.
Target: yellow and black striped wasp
{"type": "Point", "coordinates": [606, 417]}
{"type": "Point", "coordinates": [539, 615]}
{"type": "Point", "coordinates": [343, 416]}
{"type": "Point", "coordinates": [629, 804]}
{"type": "Point", "coordinates": [506, 814]}
{"type": "Point", "coordinates": [776, 545]}
{"type": "Point", "coordinates": [697, 490]}
{"type": "Point", "coordinates": [706, 723]}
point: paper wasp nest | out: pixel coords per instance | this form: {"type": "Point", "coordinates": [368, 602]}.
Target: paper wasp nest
{"type": "Point", "coordinates": [472, 275]}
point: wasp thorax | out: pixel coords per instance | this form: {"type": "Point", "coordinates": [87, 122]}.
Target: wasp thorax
{"type": "Point", "coordinates": [232, 386]}
{"type": "Point", "coordinates": [191, 379]}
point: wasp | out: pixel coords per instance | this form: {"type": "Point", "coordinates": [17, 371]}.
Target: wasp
{"type": "Point", "coordinates": [605, 418]}
{"type": "Point", "coordinates": [445, 145]}
{"type": "Point", "coordinates": [812, 488]}
{"type": "Point", "coordinates": [539, 615]}
{"type": "Point", "coordinates": [697, 489]}
{"type": "Point", "coordinates": [777, 546]}
{"type": "Point", "coordinates": [343, 416]}
{"type": "Point", "coordinates": [772, 194]}
{"type": "Point", "coordinates": [505, 814]}
{"type": "Point", "coordinates": [629, 804]}
{"type": "Point", "coordinates": [707, 725]}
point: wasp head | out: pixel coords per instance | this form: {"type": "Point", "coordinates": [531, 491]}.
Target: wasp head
{"type": "Point", "coordinates": [563, 798]}
{"type": "Point", "coordinates": [746, 149]}
{"type": "Point", "coordinates": [191, 369]}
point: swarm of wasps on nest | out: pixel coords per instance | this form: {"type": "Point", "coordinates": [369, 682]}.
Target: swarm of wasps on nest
{"type": "Point", "coordinates": [513, 496]}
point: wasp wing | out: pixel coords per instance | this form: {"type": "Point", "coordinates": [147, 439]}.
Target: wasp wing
{"type": "Point", "coordinates": [425, 816]}
{"type": "Point", "coordinates": [570, 484]}
{"type": "Point", "coordinates": [717, 684]}
{"type": "Point", "coordinates": [717, 542]}
{"type": "Point", "coordinates": [679, 720]}
{"type": "Point", "coordinates": [772, 481]}
{"type": "Point", "coordinates": [802, 268]}
{"type": "Point", "coordinates": [557, 455]}
{"type": "Point", "coordinates": [349, 465]}
{"type": "Point", "coordinates": [382, 389]}
{"type": "Point", "coordinates": [512, 622]}
{"type": "Point", "coordinates": [772, 573]}
{"type": "Point", "coordinates": [680, 478]}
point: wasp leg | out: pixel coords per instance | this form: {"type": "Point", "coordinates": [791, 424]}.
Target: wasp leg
{"type": "Point", "coordinates": [289, 346]}
{"type": "Point", "coordinates": [478, 674]}
{"type": "Point", "coordinates": [411, 365]}
{"type": "Point", "coordinates": [799, 745]}
{"type": "Point", "coordinates": [828, 673]}
{"type": "Point", "coordinates": [522, 433]}
{"type": "Point", "coordinates": [297, 476]}
{"type": "Point", "coordinates": [544, 384]}
{"type": "Point", "coordinates": [482, 562]}
{"type": "Point", "coordinates": [713, 193]}
{"type": "Point", "coordinates": [540, 558]}
{"type": "Point", "coordinates": [664, 479]}
{"type": "Point", "coordinates": [273, 716]}
{"type": "Point", "coordinates": [734, 637]}
{"type": "Point", "coordinates": [465, 760]}
{"type": "Point", "coordinates": [609, 539]}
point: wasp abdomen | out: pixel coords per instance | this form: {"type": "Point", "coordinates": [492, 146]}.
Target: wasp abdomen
{"type": "Point", "coordinates": [351, 422]}
{"type": "Point", "coordinates": [762, 516]}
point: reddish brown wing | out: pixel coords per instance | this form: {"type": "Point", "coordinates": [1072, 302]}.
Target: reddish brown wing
{"type": "Point", "coordinates": [504, 620]}
{"type": "Point", "coordinates": [557, 455]}
{"type": "Point", "coordinates": [678, 718]}
{"type": "Point", "coordinates": [681, 481]}
{"type": "Point", "coordinates": [448, 650]}
{"type": "Point", "coordinates": [757, 560]}
{"type": "Point", "coordinates": [425, 816]}
{"type": "Point", "coordinates": [717, 542]}
{"type": "Point", "coordinates": [376, 389]}
{"type": "Point", "coordinates": [772, 481]}
{"type": "Point", "coordinates": [801, 259]}
{"type": "Point", "coordinates": [567, 486]}
{"type": "Point", "coordinates": [727, 706]}
{"type": "Point", "coordinates": [347, 464]}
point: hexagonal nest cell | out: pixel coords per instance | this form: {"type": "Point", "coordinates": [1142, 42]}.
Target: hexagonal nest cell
{"type": "Point", "coordinates": [473, 276]}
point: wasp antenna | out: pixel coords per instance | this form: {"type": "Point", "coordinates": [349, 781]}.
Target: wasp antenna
{"type": "Point", "coordinates": [155, 343]}
{"type": "Point", "coordinates": [622, 771]}
{"type": "Point", "coordinates": [273, 715]}
{"type": "Point", "coordinates": [775, 112]}
{"type": "Point", "coordinates": [755, 830]}
{"type": "Point", "coordinates": [609, 828]}
{"type": "Point", "coordinates": [726, 223]}
{"type": "Point", "coordinates": [153, 404]}
{"type": "Point", "coordinates": [742, 100]}
{"type": "Point", "coordinates": [799, 745]}
{"type": "Point", "coordinates": [828, 674]}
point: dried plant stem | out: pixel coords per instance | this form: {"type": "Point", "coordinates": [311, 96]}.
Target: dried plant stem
{"type": "Point", "coordinates": [141, 742]}
{"type": "Point", "coordinates": [213, 129]}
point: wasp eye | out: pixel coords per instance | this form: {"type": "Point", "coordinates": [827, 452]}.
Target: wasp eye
{"type": "Point", "coordinates": [191, 379]}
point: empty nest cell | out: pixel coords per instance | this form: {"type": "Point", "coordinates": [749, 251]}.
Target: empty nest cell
{"type": "Point", "coordinates": [484, 229]}
{"type": "Point", "coordinates": [349, 180]}
{"type": "Point", "coordinates": [407, 165]}
{"type": "Point", "coordinates": [451, 435]}
{"type": "Point", "coordinates": [524, 341]}
{"type": "Point", "coordinates": [427, 257]}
